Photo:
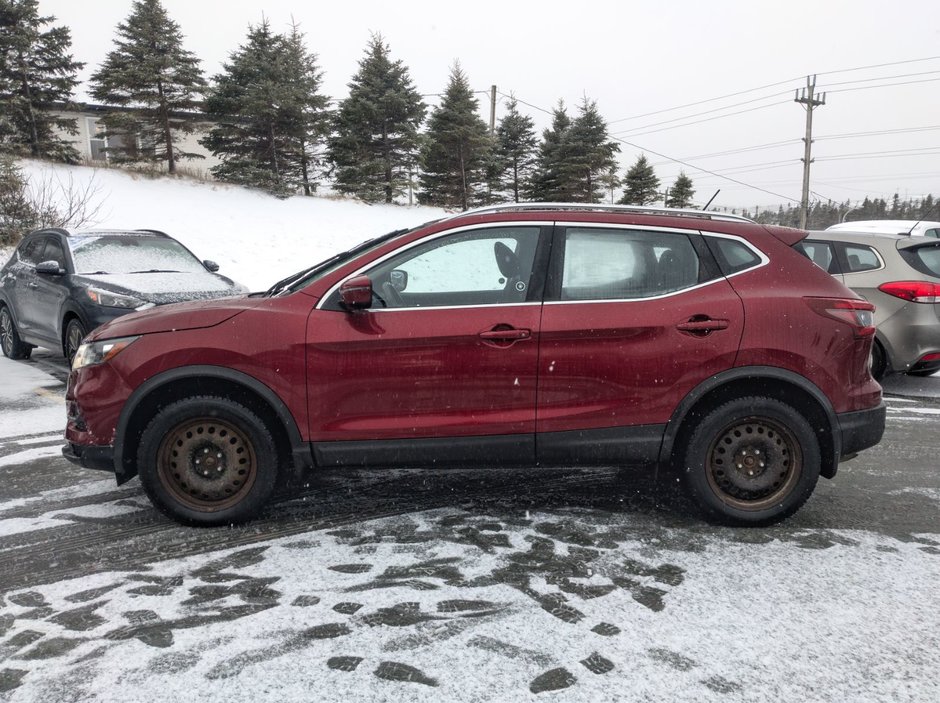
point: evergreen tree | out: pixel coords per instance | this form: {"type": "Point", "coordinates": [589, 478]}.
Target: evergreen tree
{"type": "Point", "coordinates": [37, 75]}
{"type": "Point", "coordinates": [17, 213]}
{"type": "Point", "coordinates": [641, 186]}
{"type": "Point", "coordinates": [585, 156]}
{"type": "Point", "coordinates": [306, 115]}
{"type": "Point", "coordinates": [457, 149]}
{"type": "Point", "coordinates": [546, 182]}
{"type": "Point", "coordinates": [515, 151]}
{"type": "Point", "coordinates": [611, 181]}
{"type": "Point", "coordinates": [680, 195]}
{"type": "Point", "coordinates": [151, 75]}
{"type": "Point", "coordinates": [375, 140]}
{"type": "Point", "coordinates": [268, 113]}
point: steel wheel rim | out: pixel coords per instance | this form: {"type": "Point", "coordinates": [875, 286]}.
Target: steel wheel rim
{"type": "Point", "coordinates": [6, 331]}
{"type": "Point", "coordinates": [753, 463]}
{"type": "Point", "coordinates": [207, 464]}
{"type": "Point", "coordinates": [73, 341]}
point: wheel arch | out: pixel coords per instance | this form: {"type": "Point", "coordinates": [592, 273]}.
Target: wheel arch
{"type": "Point", "coordinates": [765, 381]}
{"type": "Point", "coordinates": [69, 313]}
{"type": "Point", "coordinates": [188, 381]}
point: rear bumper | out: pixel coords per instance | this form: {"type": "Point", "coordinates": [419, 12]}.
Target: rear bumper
{"type": "Point", "coordinates": [861, 429]}
{"type": "Point", "coordinates": [90, 457]}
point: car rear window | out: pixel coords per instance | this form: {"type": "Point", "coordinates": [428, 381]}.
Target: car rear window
{"type": "Point", "coordinates": [925, 259]}
{"type": "Point", "coordinates": [131, 254]}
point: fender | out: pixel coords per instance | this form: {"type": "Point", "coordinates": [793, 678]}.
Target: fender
{"type": "Point", "coordinates": [753, 373]}
{"type": "Point", "coordinates": [123, 468]}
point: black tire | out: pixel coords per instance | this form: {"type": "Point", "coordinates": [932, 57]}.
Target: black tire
{"type": "Point", "coordinates": [751, 462]}
{"type": "Point", "coordinates": [879, 361]}
{"type": "Point", "coordinates": [208, 461]}
{"type": "Point", "coordinates": [72, 340]}
{"type": "Point", "coordinates": [13, 347]}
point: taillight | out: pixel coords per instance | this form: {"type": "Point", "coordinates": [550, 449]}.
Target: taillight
{"type": "Point", "coordinates": [860, 314]}
{"type": "Point", "coordinates": [915, 291]}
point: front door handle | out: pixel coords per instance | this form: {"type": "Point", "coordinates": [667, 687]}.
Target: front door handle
{"type": "Point", "coordinates": [510, 334]}
{"type": "Point", "coordinates": [701, 326]}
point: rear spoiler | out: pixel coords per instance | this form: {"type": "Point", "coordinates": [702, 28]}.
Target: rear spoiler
{"type": "Point", "coordinates": [787, 235]}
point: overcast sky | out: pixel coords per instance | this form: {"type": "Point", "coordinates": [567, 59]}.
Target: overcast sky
{"type": "Point", "coordinates": [636, 58]}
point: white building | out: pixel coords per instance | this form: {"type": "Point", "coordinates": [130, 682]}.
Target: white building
{"type": "Point", "coordinates": [92, 141]}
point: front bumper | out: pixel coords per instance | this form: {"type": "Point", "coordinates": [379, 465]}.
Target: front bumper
{"type": "Point", "coordinates": [90, 457]}
{"type": "Point", "coordinates": [861, 429]}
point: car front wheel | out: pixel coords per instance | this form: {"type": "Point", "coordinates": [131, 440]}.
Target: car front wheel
{"type": "Point", "coordinates": [752, 461]}
{"type": "Point", "coordinates": [10, 343]}
{"type": "Point", "coordinates": [207, 461]}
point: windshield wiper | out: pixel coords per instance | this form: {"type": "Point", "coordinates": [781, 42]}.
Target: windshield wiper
{"type": "Point", "coordinates": [156, 271]}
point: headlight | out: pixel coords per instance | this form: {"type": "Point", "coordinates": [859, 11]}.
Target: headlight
{"type": "Point", "coordinates": [100, 352]}
{"type": "Point", "coordinates": [113, 300]}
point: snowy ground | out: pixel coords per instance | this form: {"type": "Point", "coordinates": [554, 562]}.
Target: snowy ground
{"type": "Point", "coordinates": [470, 585]}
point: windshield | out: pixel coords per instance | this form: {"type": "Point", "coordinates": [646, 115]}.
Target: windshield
{"type": "Point", "coordinates": [305, 277]}
{"type": "Point", "coordinates": [131, 254]}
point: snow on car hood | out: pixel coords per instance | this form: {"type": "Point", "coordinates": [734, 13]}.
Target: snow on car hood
{"type": "Point", "coordinates": [164, 287]}
{"type": "Point", "coordinates": [192, 315]}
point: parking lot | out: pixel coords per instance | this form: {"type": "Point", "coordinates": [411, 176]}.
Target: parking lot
{"type": "Point", "coordinates": [471, 584]}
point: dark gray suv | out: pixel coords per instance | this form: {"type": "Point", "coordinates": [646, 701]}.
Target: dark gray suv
{"type": "Point", "coordinates": [900, 274]}
{"type": "Point", "coordinates": [60, 285]}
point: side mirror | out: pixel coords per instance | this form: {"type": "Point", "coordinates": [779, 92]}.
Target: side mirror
{"type": "Point", "coordinates": [356, 293]}
{"type": "Point", "coordinates": [211, 265]}
{"type": "Point", "coordinates": [50, 268]}
{"type": "Point", "coordinates": [398, 279]}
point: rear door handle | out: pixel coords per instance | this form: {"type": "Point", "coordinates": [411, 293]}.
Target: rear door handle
{"type": "Point", "coordinates": [700, 327]}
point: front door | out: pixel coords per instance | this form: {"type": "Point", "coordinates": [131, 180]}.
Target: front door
{"type": "Point", "coordinates": [443, 365]}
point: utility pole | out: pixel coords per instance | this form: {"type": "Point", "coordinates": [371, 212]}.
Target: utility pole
{"type": "Point", "coordinates": [809, 101]}
{"type": "Point", "coordinates": [492, 110]}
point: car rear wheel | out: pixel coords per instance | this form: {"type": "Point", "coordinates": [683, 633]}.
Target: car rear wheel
{"type": "Point", "coordinates": [752, 461]}
{"type": "Point", "coordinates": [207, 461]}
{"type": "Point", "coordinates": [13, 347]}
{"type": "Point", "coordinates": [879, 361]}
{"type": "Point", "coordinates": [74, 334]}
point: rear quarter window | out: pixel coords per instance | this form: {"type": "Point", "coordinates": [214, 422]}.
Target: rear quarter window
{"type": "Point", "coordinates": [860, 258]}
{"type": "Point", "coordinates": [733, 256]}
{"type": "Point", "coordinates": [925, 259]}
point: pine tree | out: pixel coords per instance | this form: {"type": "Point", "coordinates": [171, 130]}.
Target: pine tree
{"type": "Point", "coordinates": [515, 154]}
{"type": "Point", "coordinates": [546, 182]}
{"type": "Point", "coordinates": [641, 186]}
{"type": "Point", "coordinates": [306, 108]}
{"type": "Point", "coordinates": [375, 139]}
{"type": "Point", "coordinates": [151, 75]}
{"type": "Point", "coordinates": [17, 213]}
{"type": "Point", "coordinates": [457, 149]}
{"type": "Point", "coordinates": [680, 195]}
{"type": "Point", "coordinates": [268, 112]}
{"type": "Point", "coordinates": [586, 155]}
{"type": "Point", "coordinates": [37, 76]}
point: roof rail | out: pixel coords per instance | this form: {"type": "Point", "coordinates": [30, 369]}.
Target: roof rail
{"type": "Point", "coordinates": [596, 207]}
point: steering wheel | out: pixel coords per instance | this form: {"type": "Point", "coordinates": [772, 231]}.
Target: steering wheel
{"type": "Point", "coordinates": [391, 297]}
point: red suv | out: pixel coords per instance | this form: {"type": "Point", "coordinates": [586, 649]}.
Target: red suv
{"type": "Point", "coordinates": [514, 335]}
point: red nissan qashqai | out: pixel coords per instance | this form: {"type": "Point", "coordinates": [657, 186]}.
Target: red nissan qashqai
{"type": "Point", "coordinates": [538, 334]}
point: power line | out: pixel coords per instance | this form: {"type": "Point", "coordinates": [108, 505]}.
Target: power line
{"type": "Point", "coordinates": [699, 114]}
{"type": "Point", "coordinates": [769, 85]}
{"type": "Point", "coordinates": [880, 78]}
{"type": "Point", "coordinates": [630, 133]}
{"type": "Point", "coordinates": [886, 85]}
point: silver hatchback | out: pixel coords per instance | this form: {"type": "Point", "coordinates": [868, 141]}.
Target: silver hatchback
{"type": "Point", "coordinates": [901, 276]}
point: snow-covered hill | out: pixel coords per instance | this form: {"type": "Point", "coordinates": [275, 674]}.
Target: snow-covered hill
{"type": "Point", "coordinates": [255, 238]}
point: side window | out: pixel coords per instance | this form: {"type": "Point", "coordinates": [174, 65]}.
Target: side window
{"type": "Point", "coordinates": [935, 233]}
{"type": "Point", "coordinates": [54, 252]}
{"type": "Point", "coordinates": [31, 251]}
{"type": "Point", "coordinates": [614, 264]}
{"type": "Point", "coordinates": [860, 258]}
{"type": "Point", "coordinates": [820, 253]}
{"type": "Point", "coordinates": [479, 267]}
{"type": "Point", "coordinates": [733, 256]}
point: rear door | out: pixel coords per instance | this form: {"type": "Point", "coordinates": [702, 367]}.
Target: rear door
{"type": "Point", "coordinates": [634, 319]}
{"type": "Point", "coordinates": [50, 292]}
{"type": "Point", "coordinates": [25, 303]}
